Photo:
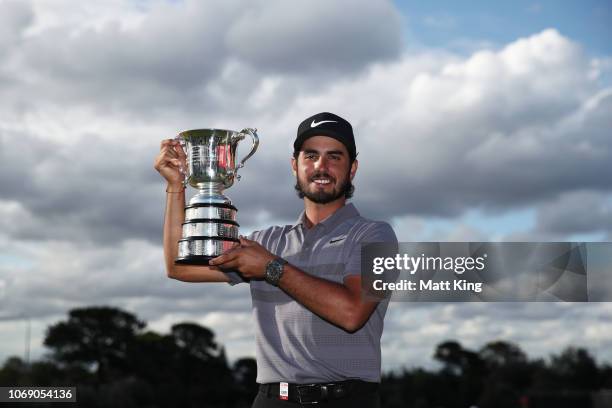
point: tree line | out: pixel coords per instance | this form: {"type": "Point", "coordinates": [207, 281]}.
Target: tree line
{"type": "Point", "coordinates": [114, 361]}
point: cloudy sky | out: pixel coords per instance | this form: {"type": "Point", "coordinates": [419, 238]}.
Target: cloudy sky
{"type": "Point", "coordinates": [477, 122]}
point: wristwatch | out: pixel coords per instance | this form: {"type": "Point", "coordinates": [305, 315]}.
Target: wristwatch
{"type": "Point", "coordinates": [274, 271]}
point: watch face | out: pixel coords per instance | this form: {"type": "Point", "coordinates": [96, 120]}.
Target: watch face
{"type": "Point", "coordinates": [274, 271]}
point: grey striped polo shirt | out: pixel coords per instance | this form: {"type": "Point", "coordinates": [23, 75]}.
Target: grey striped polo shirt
{"type": "Point", "coordinates": [292, 343]}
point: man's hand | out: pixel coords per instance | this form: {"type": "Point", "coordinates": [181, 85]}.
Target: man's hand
{"type": "Point", "coordinates": [171, 162]}
{"type": "Point", "coordinates": [249, 258]}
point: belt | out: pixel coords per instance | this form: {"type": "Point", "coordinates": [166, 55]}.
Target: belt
{"type": "Point", "coordinates": [319, 392]}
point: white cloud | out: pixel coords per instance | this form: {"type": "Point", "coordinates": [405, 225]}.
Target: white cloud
{"type": "Point", "coordinates": [15, 17]}
{"type": "Point", "coordinates": [320, 35]}
{"type": "Point", "coordinates": [476, 131]}
{"type": "Point", "coordinates": [168, 56]}
{"type": "Point", "coordinates": [575, 212]}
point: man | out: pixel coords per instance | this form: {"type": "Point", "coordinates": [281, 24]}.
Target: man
{"type": "Point", "coordinates": [318, 339]}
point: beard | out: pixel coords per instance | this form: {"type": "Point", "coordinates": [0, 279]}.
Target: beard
{"type": "Point", "coordinates": [322, 197]}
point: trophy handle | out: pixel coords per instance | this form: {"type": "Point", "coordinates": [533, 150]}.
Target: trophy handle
{"type": "Point", "coordinates": [182, 170]}
{"type": "Point", "coordinates": [253, 133]}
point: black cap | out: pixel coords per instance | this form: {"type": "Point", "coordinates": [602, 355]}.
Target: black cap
{"type": "Point", "coordinates": [326, 124]}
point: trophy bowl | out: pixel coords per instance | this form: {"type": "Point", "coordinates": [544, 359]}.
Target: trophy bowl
{"type": "Point", "coordinates": [210, 226]}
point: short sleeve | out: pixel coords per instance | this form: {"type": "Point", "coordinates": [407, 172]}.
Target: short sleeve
{"type": "Point", "coordinates": [369, 233]}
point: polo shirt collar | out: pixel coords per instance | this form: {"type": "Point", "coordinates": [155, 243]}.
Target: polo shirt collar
{"type": "Point", "coordinates": [342, 214]}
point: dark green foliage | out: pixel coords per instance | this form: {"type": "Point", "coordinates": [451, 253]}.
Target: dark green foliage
{"type": "Point", "coordinates": [498, 376]}
{"type": "Point", "coordinates": [95, 338]}
{"type": "Point", "coordinates": [106, 353]}
{"type": "Point", "coordinates": [114, 362]}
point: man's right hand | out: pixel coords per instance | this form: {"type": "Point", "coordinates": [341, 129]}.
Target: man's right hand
{"type": "Point", "coordinates": [170, 161]}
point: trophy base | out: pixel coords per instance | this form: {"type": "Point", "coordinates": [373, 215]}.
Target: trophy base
{"type": "Point", "coordinates": [194, 260]}
{"type": "Point", "coordinates": [200, 250]}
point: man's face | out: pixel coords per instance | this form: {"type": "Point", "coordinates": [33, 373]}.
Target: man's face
{"type": "Point", "coordinates": [323, 169]}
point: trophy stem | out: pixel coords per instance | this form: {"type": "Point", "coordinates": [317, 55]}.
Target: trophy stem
{"type": "Point", "coordinates": [211, 188]}
{"type": "Point", "coordinates": [210, 193]}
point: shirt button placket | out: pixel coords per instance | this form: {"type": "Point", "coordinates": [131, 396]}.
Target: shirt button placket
{"type": "Point", "coordinates": [305, 255]}
{"type": "Point", "coordinates": [307, 246]}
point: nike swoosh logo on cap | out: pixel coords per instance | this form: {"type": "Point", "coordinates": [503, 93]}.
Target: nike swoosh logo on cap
{"type": "Point", "coordinates": [315, 124]}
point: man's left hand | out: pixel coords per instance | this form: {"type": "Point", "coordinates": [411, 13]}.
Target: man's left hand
{"type": "Point", "coordinates": [249, 258]}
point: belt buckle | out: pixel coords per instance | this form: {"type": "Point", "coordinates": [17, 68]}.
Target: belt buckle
{"type": "Point", "coordinates": [299, 393]}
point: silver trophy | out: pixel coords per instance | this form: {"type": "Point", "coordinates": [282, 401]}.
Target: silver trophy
{"type": "Point", "coordinates": [210, 226]}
